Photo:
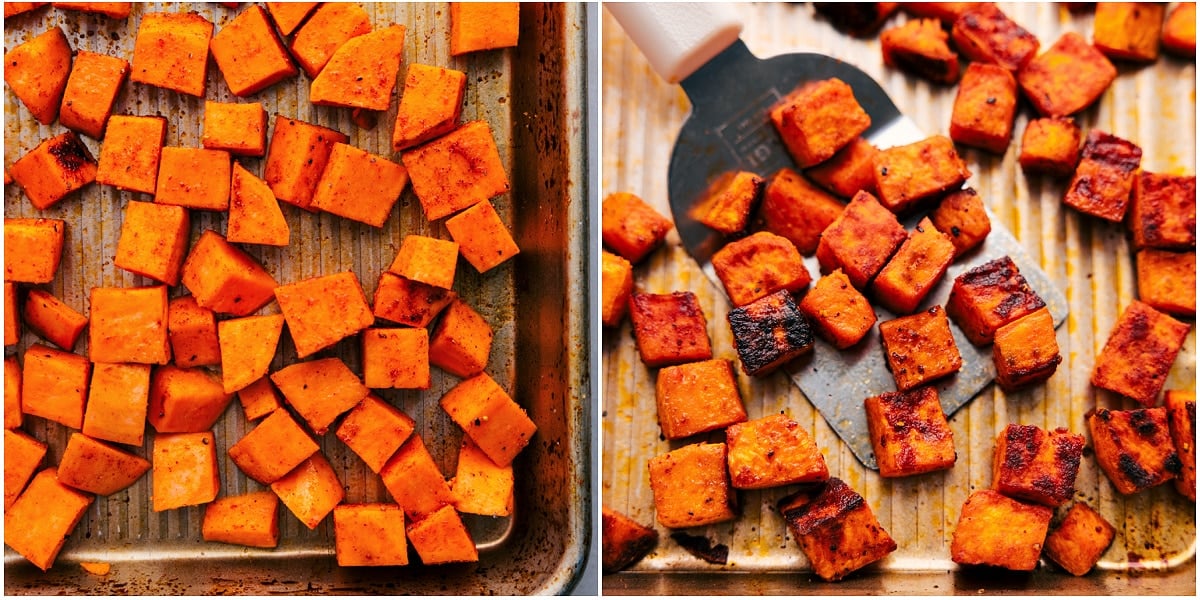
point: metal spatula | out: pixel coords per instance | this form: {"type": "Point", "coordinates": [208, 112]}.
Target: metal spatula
{"type": "Point", "coordinates": [732, 92]}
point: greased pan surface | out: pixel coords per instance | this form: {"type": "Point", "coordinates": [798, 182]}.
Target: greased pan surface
{"type": "Point", "coordinates": [1154, 551]}
{"type": "Point", "coordinates": [536, 304]}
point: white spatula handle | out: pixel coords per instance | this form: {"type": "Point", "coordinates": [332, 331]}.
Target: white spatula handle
{"type": "Point", "coordinates": [678, 37]}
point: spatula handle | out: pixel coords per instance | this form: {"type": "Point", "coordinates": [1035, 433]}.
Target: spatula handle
{"type": "Point", "coordinates": [678, 37]}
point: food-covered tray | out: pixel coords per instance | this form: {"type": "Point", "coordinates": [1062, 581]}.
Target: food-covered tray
{"type": "Point", "coordinates": [1152, 105]}
{"type": "Point", "coordinates": [532, 97]}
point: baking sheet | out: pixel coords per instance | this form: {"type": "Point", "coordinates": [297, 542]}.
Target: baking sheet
{"type": "Point", "coordinates": [1154, 551]}
{"type": "Point", "coordinates": [539, 352]}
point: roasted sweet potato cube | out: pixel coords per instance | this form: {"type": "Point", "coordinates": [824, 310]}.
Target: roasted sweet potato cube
{"type": "Point", "coordinates": [171, 51]}
{"type": "Point", "coordinates": [962, 216]}
{"type": "Point", "coordinates": [478, 26]}
{"type": "Point", "coordinates": [12, 320]}
{"type": "Point", "coordinates": [1050, 145]}
{"type": "Point", "coordinates": [1128, 30]}
{"type": "Point", "coordinates": [374, 430]}
{"type": "Point", "coordinates": [769, 333]}
{"type": "Point", "coordinates": [92, 466]}
{"type": "Point", "coordinates": [691, 486]}
{"type": "Point", "coordinates": [772, 451]}
{"type": "Point", "coordinates": [492, 419]}
{"type": "Point", "coordinates": [1139, 353]}
{"type": "Point", "coordinates": [797, 210]}
{"type": "Point", "coordinates": [38, 524]}
{"type": "Point", "coordinates": [1163, 212]}
{"type": "Point", "coordinates": [616, 285]}
{"type": "Point", "coordinates": [985, 34]}
{"type": "Point", "coordinates": [697, 397]}
{"type": "Point", "coordinates": [1181, 419]}
{"type": "Point", "coordinates": [330, 26]}
{"type": "Point", "coordinates": [32, 250]}
{"type": "Point", "coordinates": [1066, 78]}
{"type": "Point", "coordinates": [361, 74]}
{"type": "Point", "coordinates": [480, 486]}
{"type": "Point", "coordinates": [631, 227]}
{"type": "Point", "coordinates": [989, 296]}
{"type": "Point", "coordinates": [129, 325]}
{"type": "Point", "coordinates": [1036, 465]}
{"type": "Point", "coordinates": [55, 168]}
{"type": "Point", "coordinates": [272, 449]}
{"type": "Point", "coordinates": [860, 241]}
{"type": "Point", "coordinates": [850, 170]}
{"type": "Point", "coordinates": [670, 329]}
{"type": "Point", "coordinates": [53, 319]}
{"type": "Point", "coordinates": [1104, 180]}
{"type": "Point", "coordinates": [728, 202]}
{"type": "Point", "coordinates": [909, 432]}
{"type": "Point", "coordinates": [1025, 351]}
{"type": "Point", "coordinates": [249, 55]}
{"type": "Point", "coordinates": [192, 330]}
{"type": "Point", "coordinates": [359, 185]}
{"type": "Point", "coordinates": [297, 156]}
{"type": "Point", "coordinates": [984, 108]}
{"type": "Point", "coordinates": [154, 240]}
{"type": "Point", "coordinates": [838, 312]}
{"type": "Point", "coordinates": [946, 12]}
{"type": "Point", "coordinates": [835, 529]}
{"type": "Point", "coordinates": [196, 178]}
{"type": "Point", "coordinates": [54, 385]}
{"type": "Point", "coordinates": [130, 153]}
{"type": "Point", "coordinates": [414, 481]}
{"type": "Point", "coordinates": [112, 10]}
{"type": "Point", "coordinates": [624, 541]}
{"type": "Point", "coordinates": [288, 15]}
{"type": "Point", "coordinates": [409, 302]}
{"type": "Point", "coordinates": [12, 393]}
{"type": "Point", "coordinates": [1080, 539]}
{"type": "Point", "coordinates": [246, 520]}
{"type": "Point", "coordinates": [185, 400]}
{"type": "Point", "coordinates": [859, 19]}
{"type": "Point", "coordinates": [1167, 280]}
{"type": "Point", "coordinates": [90, 93]}
{"type": "Point", "coordinates": [920, 348]}
{"type": "Point", "coordinates": [920, 47]}
{"type": "Point", "coordinates": [324, 309]}
{"type": "Point", "coordinates": [369, 535]}
{"type": "Point", "coordinates": [429, 105]}
{"type": "Point", "coordinates": [906, 175]}
{"type": "Point", "coordinates": [22, 456]}
{"type": "Point", "coordinates": [759, 265]}
{"type": "Point", "coordinates": [1179, 30]}
{"type": "Point", "coordinates": [1134, 447]}
{"type": "Point", "coordinates": [915, 269]}
{"type": "Point", "coordinates": [184, 470]}
{"type": "Point", "coordinates": [999, 531]}
{"type": "Point", "coordinates": [248, 346]}
{"type": "Point", "coordinates": [818, 119]}
{"type": "Point", "coordinates": [311, 490]}
{"type": "Point", "coordinates": [118, 398]}
{"type": "Point", "coordinates": [37, 72]}
{"type": "Point", "coordinates": [441, 538]}
{"type": "Point", "coordinates": [457, 170]}
{"type": "Point", "coordinates": [462, 341]}
{"type": "Point", "coordinates": [239, 128]}
{"type": "Point", "coordinates": [483, 238]}
{"type": "Point", "coordinates": [259, 399]}
{"type": "Point", "coordinates": [396, 358]}
{"type": "Point", "coordinates": [320, 390]}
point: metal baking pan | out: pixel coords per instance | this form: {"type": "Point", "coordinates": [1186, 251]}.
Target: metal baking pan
{"type": "Point", "coordinates": [533, 98]}
{"type": "Point", "coordinates": [1154, 550]}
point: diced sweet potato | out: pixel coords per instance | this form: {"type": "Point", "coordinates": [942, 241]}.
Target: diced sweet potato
{"type": "Point", "coordinates": [920, 47]}
{"type": "Point", "coordinates": [1104, 180]}
{"type": "Point", "coordinates": [1181, 420]}
{"type": "Point", "coordinates": [129, 325]}
{"type": "Point", "coordinates": [289, 15]}
{"type": "Point", "coordinates": [835, 529]}
{"type": "Point", "coordinates": [322, 310]}
{"type": "Point", "coordinates": [54, 385]}
{"type": "Point", "coordinates": [909, 433]}
{"type": "Point", "coordinates": [369, 535]}
{"type": "Point", "coordinates": [91, 90]}
{"type": "Point", "coordinates": [118, 399]}
{"type": "Point", "coordinates": [362, 72]}
{"type": "Point", "coordinates": [239, 128]}
{"type": "Point", "coordinates": [838, 312]}
{"type": "Point", "coordinates": [272, 449]}
{"type": "Point", "coordinates": [320, 390]}
{"type": "Point", "coordinates": [670, 329]}
{"type": "Point", "coordinates": [728, 202]}
{"type": "Point", "coordinates": [1167, 280]}
{"type": "Point", "coordinates": [1033, 464]}
{"type": "Point", "coordinates": [989, 296]}
{"type": "Point", "coordinates": [246, 520]}
{"type": "Point", "coordinates": [12, 9]}
{"type": "Point", "coordinates": [131, 151]}
{"type": "Point", "coordinates": [850, 170]}
{"type": "Point", "coordinates": [94, 467]}
{"type": "Point", "coordinates": [171, 51]}
{"type": "Point", "coordinates": [429, 105]}
{"type": "Point", "coordinates": [769, 333]}
{"type": "Point", "coordinates": [492, 419]}
{"type": "Point", "coordinates": [359, 185]}
{"type": "Point", "coordinates": [697, 397]}
{"type": "Point", "coordinates": [915, 269]}
{"type": "Point", "coordinates": [254, 214]}
{"type": "Point", "coordinates": [32, 251]}
{"type": "Point", "coordinates": [818, 119]}
{"type": "Point", "coordinates": [55, 168]}
{"type": "Point", "coordinates": [112, 10]}
{"type": "Point", "coordinates": [259, 399]}
{"type": "Point", "coordinates": [184, 470]}
{"type": "Point", "coordinates": [311, 490]}
{"type": "Point", "coordinates": [192, 330]}
{"type": "Point", "coordinates": [396, 358]}
{"type": "Point", "coordinates": [1128, 30]}
{"type": "Point", "coordinates": [906, 175]}
{"type": "Point", "coordinates": [624, 541]}
{"type": "Point", "coordinates": [185, 400]}
{"type": "Point", "coordinates": [1080, 540]}
{"type": "Point", "coordinates": [630, 226]}
{"type": "Point", "coordinates": [22, 457]}
{"type": "Point", "coordinates": [1025, 351]}
{"type": "Point", "coordinates": [39, 522]}
{"type": "Point", "coordinates": [797, 210]}
{"type": "Point", "coordinates": [414, 481]}
{"type": "Point", "coordinates": [759, 265]}
{"type": "Point", "coordinates": [441, 538]}
{"type": "Point", "coordinates": [330, 26]}
{"type": "Point", "coordinates": [920, 348]}
{"type": "Point", "coordinates": [1163, 212]}
{"type": "Point", "coordinates": [374, 430]}
{"type": "Point", "coordinates": [772, 451]}
{"type": "Point", "coordinates": [154, 239]}
{"type": "Point", "coordinates": [249, 55]}
{"type": "Point", "coordinates": [984, 108]}
{"type": "Point", "coordinates": [946, 12]}
{"type": "Point", "coordinates": [12, 393]}
{"type": "Point", "coordinates": [12, 320]}
{"type": "Point", "coordinates": [962, 216]}
{"type": "Point", "coordinates": [1050, 145]}
{"type": "Point", "coordinates": [691, 486]}
{"type": "Point", "coordinates": [196, 178]}
{"type": "Point", "coordinates": [1179, 30]}
{"type": "Point", "coordinates": [457, 170]}
{"type": "Point", "coordinates": [861, 240]}
{"type": "Point", "coordinates": [409, 302]}
{"type": "Point", "coordinates": [462, 341]}
{"type": "Point", "coordinates": [37, 72]}
{"type": "Point", "coordinates": [616, 285]}
{"type": "Point", "coordinates": [1139, 353]}
{"type": "Point", "coordinates": [1066, 78]}
{"type": "Point", "coordinates": [247, 347]}
{"type": "Point", "coordinates": [298, 154]}
{"type": "Point", "coordinates": [985, 34]}
{"type": "Point", "coordinates": [859, 19]}
{"type": "Point", "coordinates": [1134, 447]}
{"type": "Point", "coordinates": [53, 319]}
{"type": "Point", "coordinates": [480, 486]}
{"type": "Point", "coordinates": [998, 531]}
{"type": "Point", "coordinates": [482, 237]}
{"type": "Point", "coordinates": [476, 26]}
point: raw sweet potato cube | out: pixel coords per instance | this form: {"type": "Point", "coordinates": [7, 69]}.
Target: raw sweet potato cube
{"type": "Point", "coordinates": [1050, 145]}
{"type": "Point", "coordinates": [457, 170]}
{"type": "Point", "coordinates": [129, 325]}
{"type": "Point", "coordinates": [396, 358]}
{"type": "Point", "coordinates": [1128, 30]}
{"type": "Point", "coordinates": [192, 330]}
{"type": "Point", "coordinates": [426, 259]}
{"type": "Point", "coordinates": [32, 250]}
{"type": "Point", "coordinates": [369, 535]}
{"type": "Point", "coordinates": [429, 105]}
{"type": "Point", "coordinates": [985, 34]}
{"type": "Point", "coordinates": [984, 108]}
{"type": "Point", "coordinates": [772, 451]}
{"type": "Point", "coordinates": [1166, 280]}
{"type": "Point", "coordinates": [154, 239]}
{"type": "Point", "coordinates": [818, 119]}
{"type": "Point", "coordinates": [330, 26]}
{"type": "Point", "coordinates": [184, 470]}
{"type": "Point", "coordinates": [374, 430]}
{"type": "Point", "coordinates": [259, 399]}
{"type": "Point", "coordinates": [12, 393]}
{"type": "Point", "coordinates": [247, 347]}
{"type": "Point", "coordinates": [850, 170]}
{"type": "Point", "coordinates": [920, 47]}
{"type": "Point", "coordinates": [691, 486]}
{"type": "Point", "coordinates": [697, 397]}
{"type": "Point", "coordinates": [320, 390]}
{"type": "Point", "coordinates": [478, 26]}
{"type": "Point", "coordinates": [196, 178]}
{"type": "Point", "coordinates": [631, 227]}
{"type": "Point", "coordinates": [239, 128]}
{"type": "Point", "coordinates": [861, 240]}
{"type": "Point", "coordinates": [39, 522]}
{"type": "Point", "coordinates": [1181, 419]}
{"type": "Point", "coordinates": [362, 72]}
{"type": "Point", "coordinates": [1066, 78]}
{"type": "Point", "coordinates": [482, 237]}
{"type": "Point", "coordinates": [171, 51]}
{"type": "Point", "coordinates": [835, 529]}
{"type": "Point", "coordinates": [272, 449]}
{"type": "Point", "coordinates": [1104, 180]}
{"type": "Point", "coordinates": [1134, 447]}
{"type": "Point", "coordinates": [414, 481]}
{"type": "Point", "coordinates": [409, 302]}
{"type": "Point", "coordinates": [1139, 353]}
{"type": "Point", "coordinates": [37, 71]}
{"type": "Point", "coordinates": [838, 312]}
{"type": "Point", "coordinates": [1163, 212]}
{"type": "Point", "coordinates": [311, 490]}
{"type": "Point", "coordinates": [185, 400]}
{"type": "Point", "coordinates": [441, 538]}
{"type": "Point", "coordinates": [249, 55]}
{"type": "Point", "coordinates": [920, 348]}
{"type": "Point", "coordinates": [54, 385]}
{"type": "Point", "coordinates": [289, 15]}
{"type": "Point", "coordinates": [322, 310]}
{"type": "Point", "coordinates": [909, 432]}
{"type": "Point", "coordinates": [490, 417]}
{"type": "Point", "coordinates": [54, 320]}
{"type": "Point", "coordinates": [91, 90]}
{"type": "Point", "coordinates": [246, 520]}
{"type": "Point", "coordinates": [670, 329]}
{"type": "Point", "coordinates": [55, 168]}
{"type": "Point", "coordinates": [906, 175]}
{"type": "Point", "coordinates": [1080, 539]}
{"type": "Point", "coordinates": [92, 466]}
{"type": "Point", "coordinates": [915, 269]}
{"type": "Point", "coordinates": [769, 333]}
{"type": "Point", "coordinates": [1036, 465]}
{"type": "Point", "coordinates": [225, 279]}
{"type": "Point", "coordinates": [989, 296]}
{"type": "Point", "coordinates": [624, 541]}
{"type": "Point", "coordinates": [797, 210]}
{"type": "Point", "coordinates": [131, 151]}
{"type": "Point", "coordinates": [22, 456]}
{"type": "Point", "coordinates": [728, 202]}
{"type": "Point", "coordinates": [12, 320]}
{"type": "Point", "coordinates": [758, 265]}
{"type": "Point", "coordinates": [480, 486]}
{"type": "Point", "coordinates": [254, 214]}
{"type": "Point", "coordinates": [1179, 30]}
{"type": "Point", "coordinates": [1025, 351]}
{"type": "Point", "coordinates": [298, 154]}
{"type": "Point", "coordinates": [962, 216]}
{"type": "Point", "coordinates": [112, 10]}
{"type": "Point", "coordinates": [359, 185]}
{"type": "Point", "coordinates": [118, 399]}
{"type": "Point", "coordinates": [998, 531]}
{"type": "Point", "coordinates": [616, 286]}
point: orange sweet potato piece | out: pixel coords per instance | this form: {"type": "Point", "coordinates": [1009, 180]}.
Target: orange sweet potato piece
{"type": "Point", "coordinates": [239, 128]}
{"type": "Point", "coordinates": [457, 170]}
{"type": "Point", "coordinates": [171, 51]}
{"type": "Point", "coordinates": [1037, 465]}
{"type": "Point", "coordinates": [330, 26]}
{"type": "Point", "coordinates": [497, 424]}
{"type": "Point", "coordinates": [192, 330]}
{"type": "Point", "coordinates": [196, 178]}
{"type": "Point", "coordinates": [482, 237]}
{"type": "Point", "coordinates": [359, 185]}
{"type": "Point", "coordinates": [860, 240]}
{"type": "Point", "coordinates": [797, 210]}
{"type": "Point", "coordinates": [249, 55]}
{"type": "Point", "coordinates": [37, 73]}
{"type": "Point", "coordinates": [909, 432]}
{"type": "Point", "coordinates": [1050, 146]}
{"type": "Point", "coordinates": [12, 320]}
{"type": "Point", "coordinates": [254, 214]}
{"type": "Point", "coordinates": [1139, 353]}
{"type": "Point", "coordinates": [12, 9]}
{"type": "Point", "coordinates": [320, 390]}
{"type": "Point", "coordinates": [835, 529]}
{"type": "Point", "coordinates": [1179, 30]}
{"type": "Point", "coordinates": [631, 227]}
{"type": "Point", "coordinates": [984, 108]}
{"type": "Point", "coordinates": [273, 448]}
{"type": "Point", "coordinates": [773, 451]}
{"type": "Point", "coordinates": [53, 319]}
{"type": "Point", "coordinates": [184, 470]}
{"type": "Point", "coordinates": [1167, 281]}
{"type": "Point", "coordinates": [848, 171]}
{"type": "Point", "coordinates": [616, 285]}
{"type": "Point", "coordinates": [480, 486]}
{"type": "Point", "coordinates": [996, 530]}
{"type": "Point", "coordinates": [129, 325]}
{"type": "Point", "coordinates": [1134, 447]}
{"type": "Point", "coordinates": [729, 201]}
{"type": "Point", "coordinates": [478, 26]}
{"type": "Point", "coordinates": [962, 216]}
{"type": "Point", "coordinates": [429, 105]}
{"type": "Point", "coordinates": [670, 329]}
{"type": "Point", "coordinates": [1128, 30]}
{"type": "Point", "coordinates": [838, 312]}
{"type": "Point", "coordinates": [32, 251]}
{"type": "Point", "coordinates": [920, 47]}
{"type": "Point", "coordinates": [246, 520]}
{"type": "Point", "coordinates": [985, 34]}
{"type": "Point", "coordinates": [91, 90]}
{"type": "Point", "coordinates": [39, 522]}
{"type": "Point", "coordinates": [396, 358]}
{"type": "Point", "coordinates": [1080, 539]}
{"type": "Point", "coordinates": [906, 175]}
{"type": "Point", "coordinates": [289, 15]}
{"type": "Point", "coordinates": [920, 348]}
{"type": "Point", "coordinates": [624, 541]}
{"type": "Point", "coordinates": [369, 535]}
{"type": "Point", "coordinates": [54, 385]}
{"type": "Point", "coordinates": [22, 456]}
{"type": "Point", "coordinates": [769, 333]}
{"type": "Point", "coordinates": [915, 269]}
{"type": "Point", "coordinates": [409, 302]}
{"type": "Point", "coordinates": [118, 399]}
{"type": "Point", "coordinates": [94, 467]}
{"type": "Point", "coordinates": [322, 310]}
{"type": "Point", "coordinates": [311, 490]}
{"type": "Point", "coordinates": [247, 348]}
{"type": "Point", "coordinates": [297, 157]}
{"type": "Point", "coordinates": [55, 168]}
{"type": "Point", "coordinates": [1163, 211]}
{"type": "Point", "coordinates": [988, 297]}
{"type": "Point", "coordinates": [441, 537]}
{"type": "Point", "coordinates": [375, 430]}
{"type": "Point", "coordinates": [818, 119]}
{"type": "Point", "coordinates": [154, 239]}
{"type": "Point", "coordinates": [224, 279]}
{"type": "Point", "coordinates": [112, 10]}
{"type": "Point", "coordinates": [362, 72]}
{"type": "Point", "coordinates": [1066, 78]}
{"type": "Point", "coordinates": [697, 397]}
{"type": "Point", "coordinates": [12, 393]}
{"type": "Point", "coordinates": [414, 481]}
{"type": "Point", "coordinates": [259, 399]}
{"type": "Point", "coordinates": [691, 486]}
{"type": "Point", "coordinates": [1181, 420]}
{"type": "Point", "coordinates": [1025, 351]}
{"type": "Point", "coordinates": [1104, 180]}
{"type": "Point", "coordinates": [759, 265]}
{"type": "Point", "coordinates": [426, 259]}
{"type": "Point", "coordinates": [462, 341]}
{"type": "Point", "coordinates": [131, 151]}
{"type": "Point", "coordinates": [185, 400]}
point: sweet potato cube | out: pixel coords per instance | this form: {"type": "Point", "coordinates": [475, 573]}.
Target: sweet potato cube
{"type": "Point", "coordinates": [426, 259]}
{"type": "Point", "coordinates": [171, 51]}
{"type": "Point", "coordinates": [1181, 419]}
{"type": "Point", "coordinates": [441, 538]}
{"type": "Point", "coordinates": [697, 397]}
{"type": "Point", "coordinates": [414, 481]}
{"type": "Point", "coordinates": [1104, 180]}
{"type": "Point", "coordinates": [184, 470]}
{"type": "Point", "coordinates": [1139, 353]}
{"type": "Point", "coordinates": [320, 390]}
{"type": "Point", "coordinates": [131, 151]}
{"type": "Point", "coordinates": [1167, 280]}
{"type": "Point", "coordinates": [362, 72]}
{"type": "Point", "coordinates": [129, 325]}
{"type": "Point", "coordinates": [32, 251]}
{"type": "Point", "coordinates": [12, 9]}
{"type": "Point", "coordinates": [91, 90]}
{"type": "Point", "coordinates": [457, 170]}
{"type": "Point", "coordinates": [247, 347]}
{"type": "Point", "coordinates": [1179, 30]}
{"type": "Point", "coordinates": [1037, 465]}
{"type": "Point", "coordinates": [772, 451]}
{"type": "Point", "coordinates": [374, 430]}
{"type": "Point", "coordinates": [758, 265]}
{"type": "Point", "coordinates": [396, 358]}
{"type": "Point", "coordinates": [691, 486]}
{"type": "Point", "coordinates": [322, 310]}
{"type": "Point", "coordinates": [249, 55]}
{"type": "Point", "coordinates": [769, 333]}
{"type": "Point", "coordinates": [728, 202]}
{"type": "Point", "coordinates": [915, 269]}
{"type": "Point", "coordinates": [37, 72]}
{"type": "Point", "coordinates": [631, 227]}
{"type": "Point", "coordinates": [835, 529]}
{"type": "Point", "coordinates": [409, 302]}
{"type": "Point", "coordinates": [1080, 540]}
{"type": "Point", "coordinates": [999, 531]}
{"type": "Point", "coordinates": [39, 522]}
{"type": "Point", "coordinates": [818, 119]}
{"type": "Point", "coordinates": [54, 385]}
{"type": "Point", "coordinates": [920, 348]}
{"type": "Point", "coordinates": [989, 296]}
{"type": "Point", "coordinates": [838, 312]}
{"type": "Point", "coordinates": [92, 466]}
{"type": "Point", "coordinates": [254, 214]}
{"type": "Point", "coordinates": [1128, 30]}
{"type": "Point", "coordinates": [259, 399]}
{"type": "Point", "coordinates": [272, 449]}
{"type": "Point", "coordinates": [55, 168]}
{"type": "Point", "coordinates": [985, 34]}
{"type": "Point", "coordinates": [984, 108]}
{"type": "Point", "coordinates": [962, 216]}
{"type": "Point", "coordinates": [861, 240]}
{"type": "Point", "coordinates": [480, 486]}
{"type": "Point", "coordinates": [369, 535]}
{"type": "Point", "coordinates": [246, 520]}
{"type": "Point", "coordinates": [12, 393]}
{"type": "Point", "coordinates": [490, 417]}
{"type": "Point", "coordinates": [909, 432]}
{"type": "Point", "coordinates": [1050, 145]}
{"type": "Point", "coordinates": [1163, 212]}
{"type": "Point", "coordinates": [298, 154]}
{"type": "Point", "coordinates": [118, 399]}
{"type": "Point", "coordinates": [1134, 447]}
{"type": "Point", "coordinates": [1026, 351]}
{"type": "Point", "coordinates": [478, 26]}
{"type": "Point", "coordinates": [330, 26]}
{"type": "Point", "coordinates": [1066, 78]}
{"type": "Point", "coordinates": [670, 329]}
{"type": "Point", "coordinates": [946, 12]}
{"type": "Point", "coordinates": [859, 19]}
{"type": "Point", "coordinates": [624, 541]}
{"type": "Point", "coordinates": [185, 400]}
{"type": "Point", "coordinates": [850, 170]}
{"type": "Point", "coordinates": [238, 128]}
{"type": "Point", "coordinates": [797, 210]}
{"type": "Point", "coordinates": [196, 178]}
{"type": "Point", "coordinates": [112, 10]}
{"type": "Point", "coordinates": [906, 175]}
{"type": "Point", "coordinates": [53, 319]}
{"type": "Point", "coordinates": [359, 185]}
{"type": "Point", "coordinates": [311, 490]}
{"type": "Point", "coordinates": [616, 286]}
{"type": "Point", "coordinates": [920, 47]}
{"type": "Point", "coordinates": [12, 321]}
{"type": "Point", "coordinates": [192, 330]}
{"type": "Point", "coordinates": [224, 279]}
{"type": "Point", "coordinates": [154, 240]}
{"type": "Point", "coordinates": [289, 15]}
{"type": "Point", "coordinates": [22, 456]}
{"type": "Point", "coordinates": [429, 106]}
{"type": "Point", "coordinates": [482, 237]}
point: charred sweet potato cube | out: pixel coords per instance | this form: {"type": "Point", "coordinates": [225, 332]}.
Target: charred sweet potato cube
{"type": "Point", "coordinates": [130, 153]}
{"type": "Point", "coordinates": [249, 55]}
{"type": "Point", "coordinates": [691, 486]}
{"type": "Point", "coordinates": [697, 397]}
{"type": "Point", "coordinates": [797, 210]}
{"type": "Point", "coordinates": [1036, 465]}
{"type": "Point", "coordinates": [457, 170]}
{"type": "Point", "coordinates": [42, 518]}
{"type": "Point", "coordinates": [999, 531]}
{"type": "Point", "coordinates": [670, 329]}
{"type": "Point", "coordinates": [225, 279]}
{"type": "Point", "coordinates": [90, 93]}
{"type": "Point", "coordinates": [1104, 180]}
{"type": "Point", "coordinates": [906, 175]}
{"type": "Point", "coordinates": [1134, 447]}
{"type": "Point", "coordinates": [616, 285]}
{"type": "Point", "coordinates": [1050, 145]}
{"type": "Point", "coordinates": [322, 310]}
{"type": "Point", "coordinates": [1167, 280]}
{"type": "Point", "coordinates": [1025, 351]}
{"type": "Point", "coordinates": [55, 168]}
{"type": "Point", "coordinates": [838, 312]}
{"type": "Point", "coordinates": [1066, 78]}
{"type": "Point", "coordinates": [850, 170]}
{"type": "Point", "coordinates": [476, 26]}
{"type": "Point", "coordinates": [329, 26]}
{"type": "Point", "coordinates": [984, 108]}
{"type": "Point", "coordinates": [860, 240]}
{"type": "Point", "coordinates": [818, 119]}
{"type": "Point", "coordinates": [429, 105]}
{"type": "Point", "coordinates": [1163, 212]}
{"type": "Point", "coordinates": [154, 240]}
{"type": "Point", "coordinates": [369, 535]}
{"type": "Point", "coordinates": [129, 325]}
{"type": "Point", "coordinates": [171, 51]}
{"type": "Point", "coordinates": [962, 216]}
{"type": "Point", "coordinates": [1139, 353]}
{"type": "Point", "coordinates": [296, 158]}
{"type": "Point", "coordinates": [37, 72]}
{"type": "Point", "coordinates": [624, 541]}
{"type": "Point", "coordinates": [919, 47]}
{"type": "Point", "coordinates": [920, 348]}
{"type": "Point", "coordinates": [915, 269]}
{"type": "Point", "coordinates": [1080, 539]}
{"type": "Point", "coordinates": [772, 451]}
{"type": "Point", "coordinates": [1181, 419]}
{"type": "Point", "coordinates": [630, 226]}
{"type": "Point", "coordinates": [985, 34]}
{"type": "Point", "coordinates": [196, 178]}
{"type": "Point", "coordinates": [835, 529]}
{"type": "Point", "coordinates": [32, 249]}
{"type": "Point", "coordinates": [1179, 30]}
{"type": "Point", "coordinates": [759, 265]}
{"type": "Point", "coordinates": [989, 296]}
{"type": "Point", "coordinates": [237, 127]}
{"type": "Point", "coordinates": [409, 302]}
{"type": "Point", "coordinates": [770, 332]}
{"type": "Point", "coordinates": [728, 202]}
{"type": "Point", "coordinates": [53, 319]}
{"type": "Point", "coordinates": [1128, 30]}
{"type": "Point", "coordinates": [909, 432]}
{"type": "Point", "coordinates": [859, 19]}
{"type": "Point", "coordinates": [441, 537]}
{"type": "Point", "coordinates": [54, 385]}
